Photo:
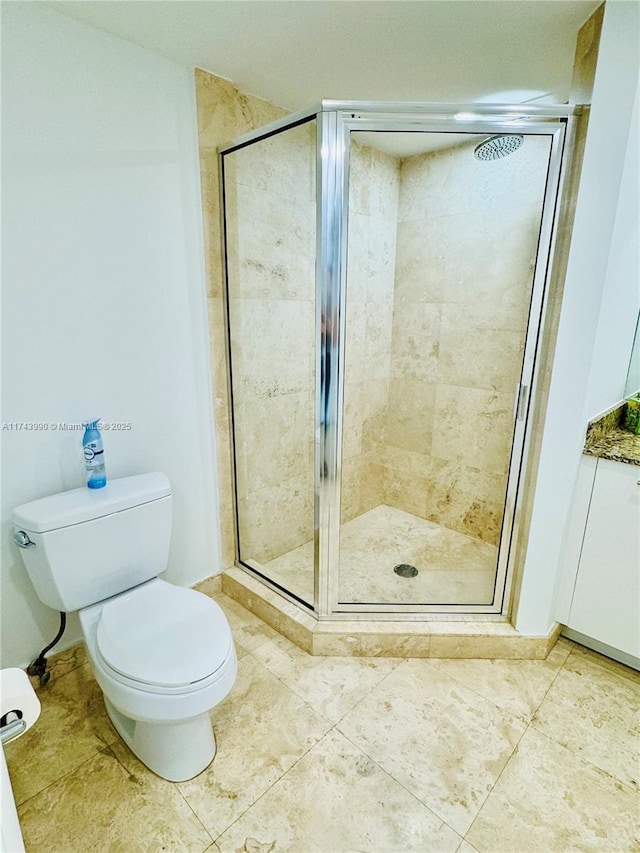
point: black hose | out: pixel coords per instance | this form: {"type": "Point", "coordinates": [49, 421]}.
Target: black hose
{"type": "Point", "coordinates": [38, 667]}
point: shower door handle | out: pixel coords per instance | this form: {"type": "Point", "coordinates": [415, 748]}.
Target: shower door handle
{"type": "Point", "coordinates": [520, 404]}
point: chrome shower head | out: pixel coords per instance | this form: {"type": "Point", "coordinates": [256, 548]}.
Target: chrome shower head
{"type": "Point", "coordinates": [500, 145]}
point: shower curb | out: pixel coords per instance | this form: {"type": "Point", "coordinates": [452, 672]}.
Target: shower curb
{"type": "Point", "coordinates": [431, 638]}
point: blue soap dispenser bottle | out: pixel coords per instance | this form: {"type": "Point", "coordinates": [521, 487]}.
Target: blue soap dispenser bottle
{"type": "Point", "coordinates": [93, 455]}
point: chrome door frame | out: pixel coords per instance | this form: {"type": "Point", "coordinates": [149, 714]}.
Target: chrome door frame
{"type": "Point", "coordinates": [247, 139]}
{"type": "Point", "coordinates": [332, 253]}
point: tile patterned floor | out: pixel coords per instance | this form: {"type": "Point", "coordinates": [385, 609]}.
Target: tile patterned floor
{"type": "Point", "coordinates": [346, 755]}
{"type": "Point", "coordinates": [452, 568]}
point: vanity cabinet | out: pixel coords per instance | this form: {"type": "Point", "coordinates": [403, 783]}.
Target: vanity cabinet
{"type": "Point", "coordinates": [605, 605]}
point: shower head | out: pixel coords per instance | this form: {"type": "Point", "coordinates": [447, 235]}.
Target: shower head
{"type": "Point", "coordinates": [501, 145]}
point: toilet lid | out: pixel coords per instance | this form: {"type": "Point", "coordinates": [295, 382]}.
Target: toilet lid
{"type": "Point", "coordinates": [164, 635]}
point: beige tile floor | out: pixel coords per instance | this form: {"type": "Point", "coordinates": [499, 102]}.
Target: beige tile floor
{"type": "Point", "coordinates": [452, 568]}
{"type": "Point", "coordinates": [345, 755]}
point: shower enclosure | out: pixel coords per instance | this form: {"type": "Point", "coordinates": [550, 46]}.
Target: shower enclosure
{"type": "Point", "coordinates": [386, 278]}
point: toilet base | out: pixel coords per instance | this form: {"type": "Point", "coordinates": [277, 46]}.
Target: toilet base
{"type": "Point", "coordinates": [175, 751]}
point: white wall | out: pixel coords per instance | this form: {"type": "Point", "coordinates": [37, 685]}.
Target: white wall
{"type": "Point", "coordinates": [611, 354]}
{"type": "Point", "coordinates": [595, 336]}
{"type": "Point", "coordinates": [103, 287]}
{"type": "Point", "coordinates": [621, 295]}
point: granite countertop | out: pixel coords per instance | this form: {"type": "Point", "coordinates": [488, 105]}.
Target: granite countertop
{"type": "Point", "coordinates": [607, 439]}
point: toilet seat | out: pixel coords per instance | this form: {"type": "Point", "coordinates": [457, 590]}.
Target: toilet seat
{"type": "Point", "coordinates": [163, 638]}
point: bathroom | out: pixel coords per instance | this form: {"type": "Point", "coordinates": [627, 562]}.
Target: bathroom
{"type": "Point", "coordinates": [105, 309]}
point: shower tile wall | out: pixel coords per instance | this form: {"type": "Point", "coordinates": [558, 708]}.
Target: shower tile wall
{"type": "Point", "coordinates": [286, 518]}
{"type": "Point", "coordinates": [425, 306]}
{"type": "Point", "coordinates": [467, 237]}
{"type": "Point", "coordinates": [373, 214]}
{"type": "Point", "coordinates": [271, 201]}
{"type": "Point", "coordinates": [415, 471]}
{"type": "Point", "coordinates": [223, 113]}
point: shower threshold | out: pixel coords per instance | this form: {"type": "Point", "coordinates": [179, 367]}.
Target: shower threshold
{"type": "Point", "coordinates": [427, 638]}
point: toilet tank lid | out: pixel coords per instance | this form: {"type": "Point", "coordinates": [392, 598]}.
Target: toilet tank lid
{"type": "Point", "coordinates": [78, 505]}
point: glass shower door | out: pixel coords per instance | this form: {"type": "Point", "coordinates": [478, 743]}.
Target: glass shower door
{"type": "Point", "coordinates": [270, 215]}
{"type": "Point", "coordinates": [441, 265]}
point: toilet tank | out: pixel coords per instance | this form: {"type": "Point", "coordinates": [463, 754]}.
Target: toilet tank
{"type": "Point", "coordinates": [86, 545]}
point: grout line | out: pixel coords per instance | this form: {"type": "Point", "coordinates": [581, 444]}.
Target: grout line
{"type": "Point", "coordinates": [498, 777]}
{"type": "Point", "coordinates": [399, 662]}
{"type": "Point", "coordinates": [401, 784]}
{"type": "Point", "coordinates": [332, 727]}
{"type": "Point", "coordinates": [174, 787]}
{"type": "Point", "coordinates": [630, 788]}
{"type": "Point", "coordinates": [315, 660]}
{"type": "Point", "coordinates": [312, 746]}
{"type": "Point", "coordinates": [289, 688]}
{"type": "Point", "coordinates": [275, 782]}
{"type": "Point", "coordinates": [105, 750]}
{"type": "Point", "coordinates": [591, 656]}
{"type": "Point", "coordinates": [260, 645]}
{"type": "Point", "coordinates": [564, 746]}
{"type": "Point", "coordinates": [359, 749]}
{"type": "Point", "coordinates": [481, 695]}
{"type": "Point", "coordinates": [529, 725]}
{"type": "Point", "coordinates": [195, 814]}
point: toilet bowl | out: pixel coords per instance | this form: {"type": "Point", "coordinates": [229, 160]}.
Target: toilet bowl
{"type": "Point", "coordinates": [162, 654]}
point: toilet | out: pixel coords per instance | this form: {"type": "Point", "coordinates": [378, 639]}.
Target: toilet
{"type": "Point", "coordinates": [162, 654]}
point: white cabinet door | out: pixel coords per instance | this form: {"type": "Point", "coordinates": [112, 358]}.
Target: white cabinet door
{"type": "Point", "coordinates": [606, 600]}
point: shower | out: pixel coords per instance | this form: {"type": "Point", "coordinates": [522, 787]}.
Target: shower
{"type": "Point", "coordinates": [500, 145]}
{"type": "Point", "coordinates": [384, 296]}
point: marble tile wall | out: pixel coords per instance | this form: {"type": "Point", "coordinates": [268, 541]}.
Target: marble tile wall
{"type": "Point", "coordinates": [271, 212]}
{"type": "Point", "coordinates": [223, 114]}
{"type": "Point", "coordinates": [466, 245]}
{"type": "Point", "coordinates": [271, 239]}
{"type": "Point", "coordinates": [441, 249]}
{"type": "Point", "coordinates": [373, 211]}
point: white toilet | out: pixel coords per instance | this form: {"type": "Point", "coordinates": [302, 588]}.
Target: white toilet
{"type": "Point", "coordinates": [162, 654]}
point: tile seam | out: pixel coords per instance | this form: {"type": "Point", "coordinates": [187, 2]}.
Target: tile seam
{"type": "Point", "coordinates": [482, 696]}
{"type": "Point", "coordinates": [399, 782]}
{"type": "Point", "coordinates": [107, 749]}
{"type": "Point", "coordinates": [275, 782]}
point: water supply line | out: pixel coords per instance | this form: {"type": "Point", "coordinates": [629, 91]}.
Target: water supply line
{"type": "Point", "coordinates": [38, 667]}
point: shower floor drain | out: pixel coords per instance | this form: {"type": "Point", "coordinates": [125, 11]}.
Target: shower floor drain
{"type": "Point", "coordinates": [405, 570]}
